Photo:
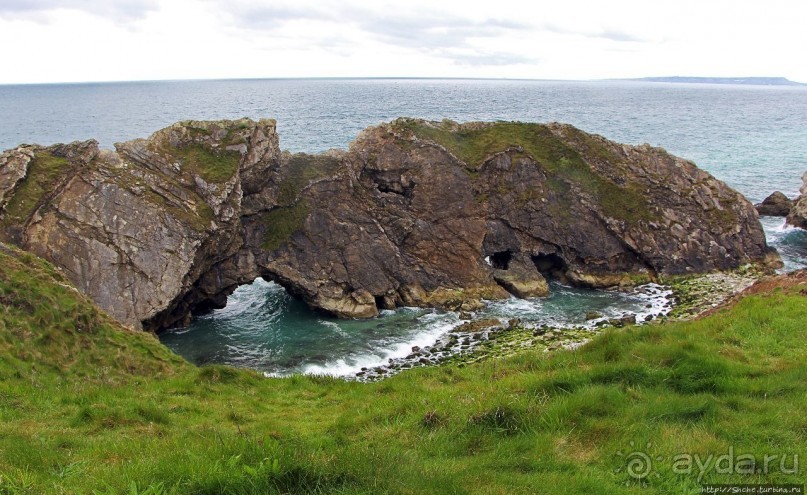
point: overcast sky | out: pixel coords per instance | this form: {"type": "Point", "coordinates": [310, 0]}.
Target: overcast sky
{"type": "Point", "coordinates": [106, 40]}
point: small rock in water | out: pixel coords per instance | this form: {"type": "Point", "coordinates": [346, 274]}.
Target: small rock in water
{"type": "Point", "coordinates": [593, 315]}
{"type": "Point", "coordinates": [775, 205]}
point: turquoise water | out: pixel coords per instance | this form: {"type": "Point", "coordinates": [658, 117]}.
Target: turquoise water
{"type": "Point", "coordinates": [754, 138]}
{"type": "Point", "coordinates": [264, 328]}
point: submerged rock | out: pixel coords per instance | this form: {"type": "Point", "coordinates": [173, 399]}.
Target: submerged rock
{"type": "Point", "coordinates": [415, 213]}
{"type": "Point", "coordinates": [775, 205]}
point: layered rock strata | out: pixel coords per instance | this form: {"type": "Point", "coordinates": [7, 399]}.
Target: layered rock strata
{"type": "Point", "coordinates": [414, 213]}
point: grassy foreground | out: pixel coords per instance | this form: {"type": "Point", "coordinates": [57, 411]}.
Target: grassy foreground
{"type": "Point", "coordinates": [89, 407]}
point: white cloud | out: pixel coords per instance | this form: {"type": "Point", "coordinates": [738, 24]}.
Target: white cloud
{"type": "Point", "coordinates": [83, 40]}
{"type": "Point", "coordinates": [36, 9]}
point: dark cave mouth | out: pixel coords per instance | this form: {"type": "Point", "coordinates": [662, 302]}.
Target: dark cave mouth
{"type": "Point", "coordinates": [552, 266]}
{"type": "Point", "coordinates": [501, 260]}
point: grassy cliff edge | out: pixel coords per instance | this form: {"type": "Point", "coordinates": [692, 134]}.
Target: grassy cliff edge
{"type": "Point", "coordinates": [90, 407]}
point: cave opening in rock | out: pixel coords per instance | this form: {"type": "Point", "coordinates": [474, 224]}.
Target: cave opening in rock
{"type": "Point", "coordinates": [501, 260]}
{"type": "Point", "coordinates": [551, 266]}
{"type": "Point", "coordinates": [382, 302]}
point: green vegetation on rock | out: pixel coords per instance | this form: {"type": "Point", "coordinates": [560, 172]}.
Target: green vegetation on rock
{"type": "Point", "coordinates": [44, 173]}
{"type": "Point", "coordinates": [301, 168]}
{"type": "Point", "coordinates": [89, 407]}
{"type": "Point", "coordinates": [281, 222]}
{"type": "Point", "coordinates": [214, 166]}
{"type": "Point", "coordinates": [476, 142]}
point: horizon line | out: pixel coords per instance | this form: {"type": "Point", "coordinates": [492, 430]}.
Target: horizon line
{"type": "Point", "coordinates": [652, 79]}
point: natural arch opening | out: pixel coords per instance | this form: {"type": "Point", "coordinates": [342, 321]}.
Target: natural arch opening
{"type": "Point", "coordinates": [551, 266]}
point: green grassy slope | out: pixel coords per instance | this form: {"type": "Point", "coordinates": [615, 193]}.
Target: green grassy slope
{"type": "Point", "coordinates": [89, 407]}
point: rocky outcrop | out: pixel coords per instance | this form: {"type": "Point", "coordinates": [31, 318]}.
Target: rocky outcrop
{"type": "Point", "coordinates": [797, 216]}
{"type": "Point", "coordinates": [414, 213]}
{"type": "Point", "coordinates": [136, 229]}
{"type": "Point", "coordinates": [775, 205]}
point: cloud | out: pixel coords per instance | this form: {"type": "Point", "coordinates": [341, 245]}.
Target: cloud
{"type": "Point", "coordinates": [262, 16]}
{"type": "Point", "coordinates": [438, 34]}
{"type": "Point", "coordinates": [435, 31]}
{"type": "Point", "coordinates": [610, 34]}
{"type": "Point", "coordinates": [119, 10]}
{"type": "Point", "coordinates": [495, 59]}
{"type": "Point", "coordinates": [616, 35]}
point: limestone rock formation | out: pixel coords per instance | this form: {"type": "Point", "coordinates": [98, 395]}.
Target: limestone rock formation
{"type": "Point", "coordinates": [798, 212]}
{"type": "Point", "coordinates": [413, 213]}
{"type": "Point", "coordinates": [137, 228]}
{"type": "Point", "coordinates": [775, 205]}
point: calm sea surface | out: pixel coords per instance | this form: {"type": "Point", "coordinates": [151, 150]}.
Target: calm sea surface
{"type": "Point", "coordinates": [754, 138]}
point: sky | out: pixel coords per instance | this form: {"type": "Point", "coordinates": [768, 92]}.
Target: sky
{"type": "Point", "coordinates": [109, 40]}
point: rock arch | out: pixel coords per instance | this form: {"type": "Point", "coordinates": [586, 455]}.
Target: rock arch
{"type": "Point", "coordinates": [170, 225]}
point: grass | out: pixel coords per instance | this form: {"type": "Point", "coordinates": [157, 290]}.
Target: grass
{"type": "Point", "coordinates": [473, 144]}
{"type": "Point", "coordinates": [301, 168]}
{"type": "Point", "coordinates": [88, 407]}
{"type": "Point", "coordinates": [214, 166]}
{"type": "Point", "coordinates": [281, 223]}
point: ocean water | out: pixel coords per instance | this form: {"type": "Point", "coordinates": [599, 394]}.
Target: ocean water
{"type": "Point", "coordinates": [752, 137]}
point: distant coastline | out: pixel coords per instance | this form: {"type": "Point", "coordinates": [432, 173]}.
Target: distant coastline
{"type": "Point", "coordinates": [753, 81]}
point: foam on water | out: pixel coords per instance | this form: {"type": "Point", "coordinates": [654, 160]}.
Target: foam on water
{"type": "Point", "coordinates": [349, 366]}
{"type": "Point", "coordinates": [264, 328]}
{"type": "Point", "coordinates": [567, 306]}
{"type": "Point", "coordinates": [790, 242]}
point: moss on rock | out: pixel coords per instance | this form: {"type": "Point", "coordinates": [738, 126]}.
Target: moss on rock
{"type": "Point", "coordinates": [44, 173]}
{"type": "Point", "coordinates": [281, 223]}
{"type": "Point", "coordinates": [474, 143]}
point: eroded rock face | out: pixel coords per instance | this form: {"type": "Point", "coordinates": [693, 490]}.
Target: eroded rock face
{"type": "Point", "coordinates": [797, 216]}
{"type": "Point", "coordinates": [137, 228]}
{"type": "Point", "coordinates": [775, 205]}
{"type": "Point", "coordinates": [414, 213]}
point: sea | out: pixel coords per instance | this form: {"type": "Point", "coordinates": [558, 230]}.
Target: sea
{"type": "Point", "coordinates": [752, 137]}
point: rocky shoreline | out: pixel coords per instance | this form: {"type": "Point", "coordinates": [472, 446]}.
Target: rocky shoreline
{"type": "Point", "coordinates": [684, 298]}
